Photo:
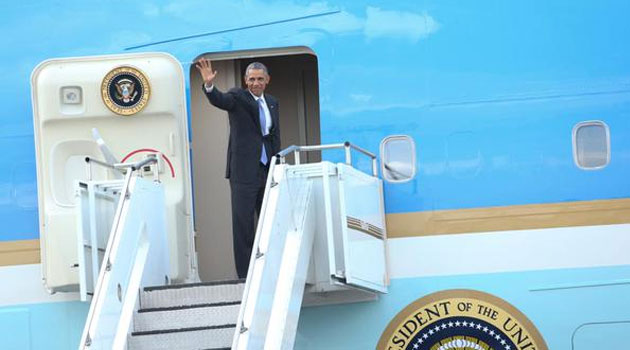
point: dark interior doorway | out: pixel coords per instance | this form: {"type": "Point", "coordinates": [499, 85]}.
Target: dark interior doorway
{"type": "Point", "coordinates": [294, 82]}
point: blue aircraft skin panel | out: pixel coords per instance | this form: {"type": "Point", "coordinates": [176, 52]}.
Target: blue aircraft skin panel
{"type": "Point", "coordinates": [490, 91]}
{"type": "Point", "coordinates": [582, 299]}
{"type": "Point", "coordinates": [46, 326]}
{"type": "Point", "coordinates": [590, 302]}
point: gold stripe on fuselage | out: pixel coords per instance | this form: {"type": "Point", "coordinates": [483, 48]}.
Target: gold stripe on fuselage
{"type": "Point", "coordinates": [517, 217]}
{"type": "Point", "coordinates": [19, 252]}
{"type": "Point", "coordinates": [441, 222]}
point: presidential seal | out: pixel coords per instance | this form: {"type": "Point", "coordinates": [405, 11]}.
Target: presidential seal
{"type": "Point", "coordinates": [461, 319]}
{"type": "Point", "coordinates": [125, 90]}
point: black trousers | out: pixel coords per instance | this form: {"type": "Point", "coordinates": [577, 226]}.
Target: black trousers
{"type": "Point", "coordinates": [246, 199]}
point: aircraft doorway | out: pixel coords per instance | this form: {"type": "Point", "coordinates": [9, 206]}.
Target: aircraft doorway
{"type": "Point", "coordinates": [294, 82]}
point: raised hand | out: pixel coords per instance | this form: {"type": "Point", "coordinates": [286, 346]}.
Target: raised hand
{"type": "Point", "coordinates": [204, 66]}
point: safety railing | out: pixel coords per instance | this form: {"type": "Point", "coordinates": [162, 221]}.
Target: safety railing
{"type": "Point", "coordinates": [116, 245]}
{"type": "Point", "coordinates": [240, 325]}
{"type": "Point", "coordinates": [280, 158]}
{"type": "Point", "coordinates": [346, 146]}
{"type": "Point", "coordinates": [123, 167]}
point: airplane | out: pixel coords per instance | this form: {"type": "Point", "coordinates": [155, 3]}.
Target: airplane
{"type": "Point", "coordinates": [491, 134]}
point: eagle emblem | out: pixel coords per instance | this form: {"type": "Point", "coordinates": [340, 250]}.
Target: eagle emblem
{"type": "Point", "coordinates": [125, 90]}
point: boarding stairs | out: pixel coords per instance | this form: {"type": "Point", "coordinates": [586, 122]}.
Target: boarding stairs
{"type": "Point", "coordinates": [187, 316]}
{"type": "Point", "coordinates": [320, 239]}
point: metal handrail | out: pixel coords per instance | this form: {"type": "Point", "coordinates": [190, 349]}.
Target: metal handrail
{"type": "Point", "coordinates": [121, 167]}
{"type": "Point", "coordinates": [279, 158]}
{"type": "Point", "coordinates": [139, 164]}
{"type": "Point", "coordinates": [347, 146]}
{"type": "Point", "coordinates": [240, 325]}
{"type": "Point", "coordinates": [106, 264]}
{"type": "Point", "coordinates": [99, 162]}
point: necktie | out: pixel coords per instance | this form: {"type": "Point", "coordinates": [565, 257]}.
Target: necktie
{"type": "Point", "coordinates": [263, 127]}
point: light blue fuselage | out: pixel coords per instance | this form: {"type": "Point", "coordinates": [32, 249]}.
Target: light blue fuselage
{"type": "Point", "coordinates": [489, 90]}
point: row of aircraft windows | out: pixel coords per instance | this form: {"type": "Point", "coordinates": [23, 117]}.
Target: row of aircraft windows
{"type": "Point", "coordinates": [591, 151]}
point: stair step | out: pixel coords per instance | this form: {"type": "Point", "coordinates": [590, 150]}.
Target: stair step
{"type": "Point", "coordinates": [192, 294]}
{"type": "Point", "coordinates": [186, 316]}
{"type": "Point", "coordinates": [216, 337]}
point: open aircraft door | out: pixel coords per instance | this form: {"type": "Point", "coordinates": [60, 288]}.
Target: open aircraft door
{"type": "Point", "coordinates": [118, 108]}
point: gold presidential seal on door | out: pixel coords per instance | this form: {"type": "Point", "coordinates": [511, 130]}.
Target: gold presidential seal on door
{"type": "Point", "coordinates": [125, 90]}
{"type": "Point", "coordinates": [461, 319]}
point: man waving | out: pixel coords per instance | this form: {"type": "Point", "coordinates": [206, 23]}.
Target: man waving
{"type": "Point", "coordinates": [254, 139]}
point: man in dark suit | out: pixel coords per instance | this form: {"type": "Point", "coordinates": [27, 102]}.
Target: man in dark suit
{"type": "Point", "coordinates": [254, 139]}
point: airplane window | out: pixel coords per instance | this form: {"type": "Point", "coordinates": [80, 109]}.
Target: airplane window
{"type": "Point", "coordinates": [398, 158]}
{"type": "Point", "coordinates": [591, 145]}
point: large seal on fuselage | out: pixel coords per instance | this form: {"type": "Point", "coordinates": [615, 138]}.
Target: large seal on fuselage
{"type": "Point", "coordinates": [125, 90]}
{"type": "Point", "coordinates": [461, 319]}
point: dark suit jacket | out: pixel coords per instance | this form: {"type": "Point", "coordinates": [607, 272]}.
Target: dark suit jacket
{"type": "Point", "coordinates": [243, 155]}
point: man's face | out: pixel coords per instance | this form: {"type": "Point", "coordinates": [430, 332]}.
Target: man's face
{"type": "Point", "coordinates": [256, 81]}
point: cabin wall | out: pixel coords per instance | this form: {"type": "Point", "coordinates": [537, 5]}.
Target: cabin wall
{"type": "Point", "coordinates": [213, 215]}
